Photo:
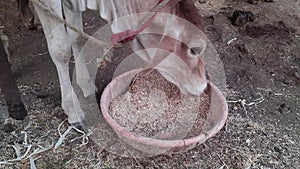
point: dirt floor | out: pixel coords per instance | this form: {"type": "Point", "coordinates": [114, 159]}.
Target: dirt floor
{"type": "Point", "coordinates": [262, 65]}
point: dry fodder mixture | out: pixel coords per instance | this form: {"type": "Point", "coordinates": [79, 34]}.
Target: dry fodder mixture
{"type": "Point", "coordinates": [154, 107]}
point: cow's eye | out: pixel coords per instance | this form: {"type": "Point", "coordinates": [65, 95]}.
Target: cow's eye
{"type": "Point", "coordinates": [195, 50]}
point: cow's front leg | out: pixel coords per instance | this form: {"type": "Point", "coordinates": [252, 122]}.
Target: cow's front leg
{"type": "Point", "coordinates": [83, 78]}
{"type": "Point", "coordinates": [60, 52]}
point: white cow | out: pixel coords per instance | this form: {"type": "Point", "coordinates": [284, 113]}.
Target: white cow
{"type": "Point", "coordinates": [186, 71]}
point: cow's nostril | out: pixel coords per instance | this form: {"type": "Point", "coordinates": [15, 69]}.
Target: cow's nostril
{"type": "Point", "coordinates": [196, 50]}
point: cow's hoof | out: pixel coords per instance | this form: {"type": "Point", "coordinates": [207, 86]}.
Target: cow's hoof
{"type": "Point", "coordinates": [17, 111]}
{"type": "Point", "coordinates": [78, 126]}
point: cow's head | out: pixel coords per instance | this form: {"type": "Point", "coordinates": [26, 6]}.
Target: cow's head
{"type": "Point", "coordinates": [172, 43]}
{"type": "Point", "coordinates": [180, 63]}
{"type": "Point", "coordinates": [175, 47]}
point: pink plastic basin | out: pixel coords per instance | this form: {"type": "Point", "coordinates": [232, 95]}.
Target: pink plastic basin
{"type": "Point", "coordinates": [215, 121]}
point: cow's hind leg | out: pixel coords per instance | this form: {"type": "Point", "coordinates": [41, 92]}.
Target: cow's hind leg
{"type": "Point", "coordinates": [26, 13]}
{"type": "Point", "coordinates": [60, 51]}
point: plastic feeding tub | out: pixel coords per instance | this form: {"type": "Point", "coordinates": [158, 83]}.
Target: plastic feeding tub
{"type": "Point", "coordinates": [215, 119]}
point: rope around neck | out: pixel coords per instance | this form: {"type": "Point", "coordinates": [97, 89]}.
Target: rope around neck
{"type": "Point", "coordinates": [128, 35]}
